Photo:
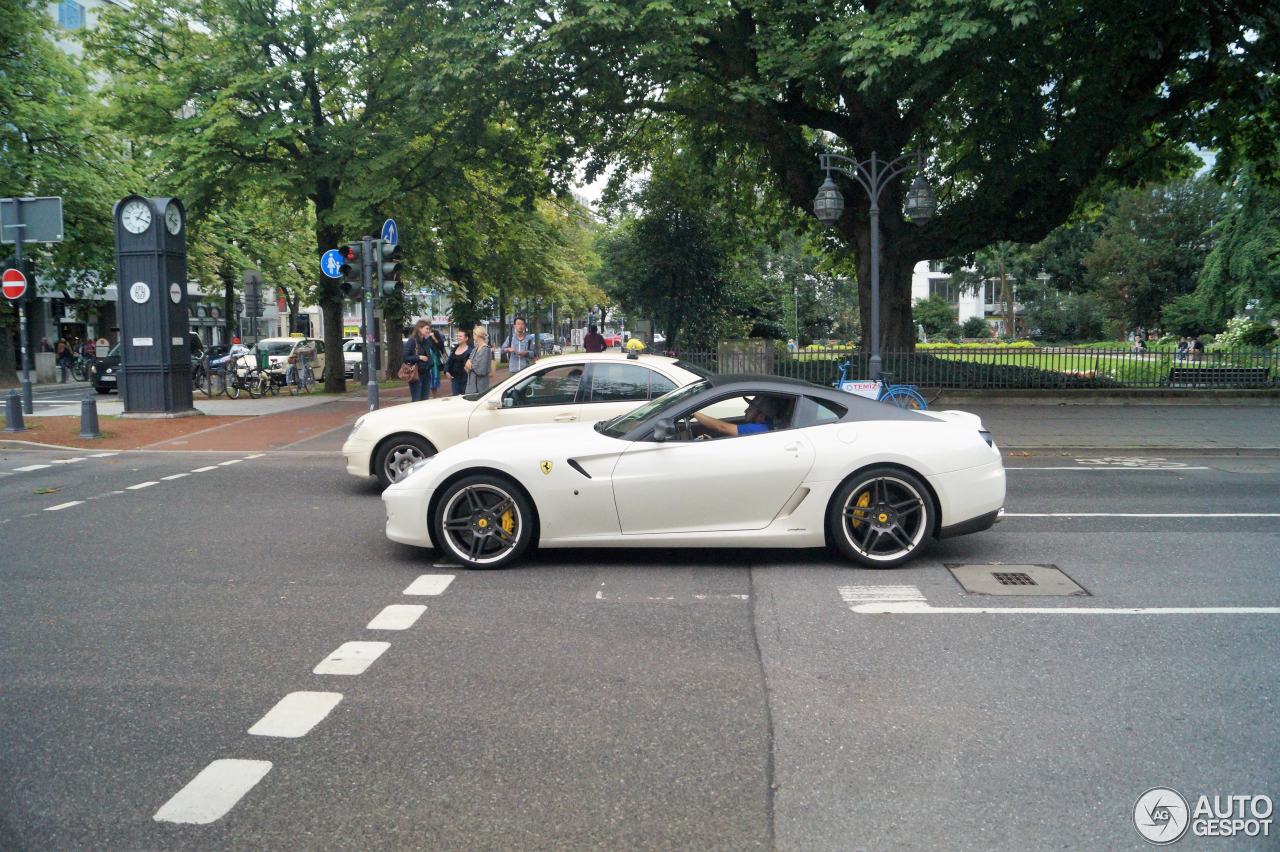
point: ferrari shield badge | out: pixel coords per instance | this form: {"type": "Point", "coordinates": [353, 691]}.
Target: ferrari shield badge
{"type": "Point", "coordinates": [546, 466]}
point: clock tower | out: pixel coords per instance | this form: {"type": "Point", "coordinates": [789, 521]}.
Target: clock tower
{"type": "Point", "coordinates": [151, 279]}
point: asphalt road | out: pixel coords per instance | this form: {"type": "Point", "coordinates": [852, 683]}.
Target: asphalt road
{"type": "Point", "coordinates": [611, 699]}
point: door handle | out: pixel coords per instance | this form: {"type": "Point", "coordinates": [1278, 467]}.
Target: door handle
{"type": "Point", "coordinates": [792, 448]}
{"type": "Point", "coordinates": [565, 418]}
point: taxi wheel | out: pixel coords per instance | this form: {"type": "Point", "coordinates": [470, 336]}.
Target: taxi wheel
{"type": "Point", "coordinates": [397, 455]}
{"type": "Point", "coordinates": [881, 517]}
{"type": "Point", "coordinates": [483, 521]}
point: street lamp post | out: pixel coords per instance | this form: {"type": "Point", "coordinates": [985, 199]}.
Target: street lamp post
{"type": "Point", "coordinates": [873, 175]}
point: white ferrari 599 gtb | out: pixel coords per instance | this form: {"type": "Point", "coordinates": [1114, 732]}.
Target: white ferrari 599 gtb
{"type": "Point", "coordinates": [728, 461]}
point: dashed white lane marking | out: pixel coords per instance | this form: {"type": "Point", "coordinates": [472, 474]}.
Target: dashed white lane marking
{"type": "Point", "coordinates": [215, 791]}
{"type": "Point", "coordinates": [296, 714]}
{"type": "Point", "coordinates": [103, 455]}
{"type": "Point", "coordinates": [141, 485]}
{"type": "Point", "coordinates": [854, 595]}
{"type": "Point", "coordinates": [203, 469]}
{"type": "Point", "coordinates": [31, 467]}
{"type": "Point", "coordinates": [921, 608]}
{"type": "Point", "coordinates": [1142, 514]}
{"type": "Point", "coordinates": [61, 506]}
{"type": "Point", "coordinates": [229, 461]}
{"type": "Point", "coordinates": [429, 584]}
{"type": "Point", "coordinates": [255, 456]}
{"type": "Point", "coordinates": [397, 617]}
{"type": "Point", "coordinates": [351, 658]}
{"type": "Point", "coordinates": [174, 476]}
{"type": "Point", "coordinates": [69, 461]}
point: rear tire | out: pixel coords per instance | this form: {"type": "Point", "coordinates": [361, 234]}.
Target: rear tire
{"type": "Point", "coordinates": [483, 521]}
{"type": "Point", "coordinates": [881, 518]}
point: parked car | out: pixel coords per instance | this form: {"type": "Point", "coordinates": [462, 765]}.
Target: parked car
{"type": "Point", "coordinates": [727, 461]}
{"type": "Point", "coordinates": [352, 354]}
{"type": "Point", "coordinates": [557, 389]}
{"type": "Point", "coordinates": [279, 349]}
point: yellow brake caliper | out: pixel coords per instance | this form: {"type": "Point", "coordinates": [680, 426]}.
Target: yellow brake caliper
{"type": "Point", "coordinates": [508, 521]}
{"type": "Point", "coordinates": [857, 516]}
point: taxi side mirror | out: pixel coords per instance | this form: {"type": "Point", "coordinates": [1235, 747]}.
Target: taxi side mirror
{"type": "Point", "coordinates": [664, 430]}
{"type": "Point", "coordinates": [493, 403]}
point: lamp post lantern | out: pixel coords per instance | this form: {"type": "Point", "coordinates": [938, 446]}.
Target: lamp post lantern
{"type": "Point", "coordinates": [873, 175]}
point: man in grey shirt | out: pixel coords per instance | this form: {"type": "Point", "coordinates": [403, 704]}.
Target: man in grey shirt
{"type": "Point", "coordinates": [520, 348]}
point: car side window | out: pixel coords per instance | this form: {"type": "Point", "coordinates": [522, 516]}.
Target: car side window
{"type": "Point", "coordinates": [619, 382]}
{"type": "Point", "coordinates": [815, 412]}
{"type": "Point", "coordinates": [319, 345]}
{"type": "Point", "coordinates": [553, 386]}
{"type": "Point", "coordinates": [659, 384]}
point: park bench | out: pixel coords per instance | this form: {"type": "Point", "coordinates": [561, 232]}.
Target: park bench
{"type": "Point", "coordinates": [1218, 376]}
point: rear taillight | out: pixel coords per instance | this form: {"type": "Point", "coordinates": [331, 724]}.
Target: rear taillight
{"type": "Point", "coordinates": [986, 436]}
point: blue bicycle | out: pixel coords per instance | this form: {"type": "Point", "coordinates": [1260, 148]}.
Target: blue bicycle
{"type": "Point", "coordinates": [881, 390]}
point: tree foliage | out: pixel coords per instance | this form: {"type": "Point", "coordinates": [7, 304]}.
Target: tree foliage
{"type": "Point", "coordinates": [1242, 270]}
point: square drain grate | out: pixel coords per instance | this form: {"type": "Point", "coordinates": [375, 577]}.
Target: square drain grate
{"type": "Point", "coordinates": [1043, 580]}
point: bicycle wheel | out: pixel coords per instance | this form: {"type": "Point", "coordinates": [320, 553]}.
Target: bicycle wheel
{"type": "Point", "coordinates": [214, 383]}
{"type": "Point", "coordinates": [904, 396]}
{"type": "Point", "coordinates": [254, 384]}
{"type": "Point", "coordinates": [308, 379]}
{"type": "Point", "coordinates": [80, 371]}
{"type": "Point", "coordinates": [231, 385]}
{"type": "Point", "coordinates": [291, 379]}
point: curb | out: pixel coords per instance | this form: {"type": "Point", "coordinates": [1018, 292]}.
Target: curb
{"type": "Point", "coordinates": [1257, 452]}
{"type": "Point", "coordinates": [1106, 397]}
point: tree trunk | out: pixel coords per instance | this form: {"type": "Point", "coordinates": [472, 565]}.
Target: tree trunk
{"type": "Point", "coordinates": [393, 321]}
{"type": "Point", "coordinates": [229, 306]}
{"type": "Point", "coordinates": [8, 353]}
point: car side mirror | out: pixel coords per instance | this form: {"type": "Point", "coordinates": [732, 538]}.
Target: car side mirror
{"type": "Point", "coordinates": [494, 403]}
{"type": "Point", "coordinates": [508, 401]}
{"type": "Point", "coordinates": [664, 429]}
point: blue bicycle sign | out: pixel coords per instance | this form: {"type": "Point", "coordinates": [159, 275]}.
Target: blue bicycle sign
{"type": "Point", "coordinates": [331, 263]}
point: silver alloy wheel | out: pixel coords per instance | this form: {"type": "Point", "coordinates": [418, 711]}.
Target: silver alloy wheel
{"type": "Point", "coordinates": [400, 459]}
{"type": "Point", "coordinates": [884, 519]}
{"type": "Point", "coordinates": [481, 523]}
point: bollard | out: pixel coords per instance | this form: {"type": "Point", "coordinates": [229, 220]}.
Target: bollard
{"type": "Point", "coordinates": [13, 413]}
{"type": "Point", "coordinates": [89, 417]}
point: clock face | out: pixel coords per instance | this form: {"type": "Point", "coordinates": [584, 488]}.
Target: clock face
{"type": "Point", "coordinates": [173, 218]}
{"type": "Point", "coordinates": [136, 217]}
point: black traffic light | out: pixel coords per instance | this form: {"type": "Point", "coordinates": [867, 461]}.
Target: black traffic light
{"type": "Point", "coordinates": [389, 267]}
{"type": "Point", "coordinates": [352, 271]}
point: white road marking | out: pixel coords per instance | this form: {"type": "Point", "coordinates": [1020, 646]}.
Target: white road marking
{"type": "Point", "coordinates": [351, 658]}
{"type": "Point", "coordinates": [174, 476]}
{"type": "Point", "coordinates": [203, 469]}
{"type": "Point", "coordinates": [1108, 468]}
{"type": "Point", "coordinates": [103, 455]}
{"type": "Point", "coordinates": [109, 493]}
{"type": "Point", "coordinates": [1141, 515]}
{"type": "Point", "coordinates": [141, 485]}
{"type": "Point", "coordinates": [214, 792]}
{"type": "Point", "coordinates": [923, 608]}
{"type": "Point", "coordinates": [229, 461]}
{"type": "Point", "coordinates": [397, 617]}
{"type": "Point", "coordinates": [61, 506]}
{"type": "Point", "coordinates": [69, 461]}
{"type": "Point", "coordinates": [32, 467]}
{"type": "Point", "coordinates": [296, 714]}
{"type": "Point", "coordinates": [879, 594]}
{"type": "Point", "coordinates": [429, 584]}
{"type": "Point", "coordinates": [255, 456]}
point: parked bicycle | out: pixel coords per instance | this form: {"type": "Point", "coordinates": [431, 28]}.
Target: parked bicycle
{"type": "Point", "coordinates": [299, 376]}
{"type": "Point", "coordinates": [881, 390]}
{"type": "Point", "coordinates": [82, 368]}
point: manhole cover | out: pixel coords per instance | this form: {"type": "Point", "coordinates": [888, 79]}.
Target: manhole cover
{"type": "Point", "coordinates": [1043, 580]}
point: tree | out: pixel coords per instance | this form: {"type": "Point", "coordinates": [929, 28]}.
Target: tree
{"type": "Point", "coordinates": [1242, 269]}
{"type": "Point", "coordinates": [937, 316]}
{"type": "Point", "coordinates": [1021, 106]}
{"type": "Point", "coordinates": [1058, 316]}
{"type": "Point", "coordinates": [975, 327]}
{"type": "Point", "coordinates": [1152, 248]}
{"type": "Point", "coordinates": [53, 142]}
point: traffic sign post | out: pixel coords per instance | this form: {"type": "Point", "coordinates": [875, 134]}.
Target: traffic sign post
{"type": "Point", "coordinates": [367, 261]}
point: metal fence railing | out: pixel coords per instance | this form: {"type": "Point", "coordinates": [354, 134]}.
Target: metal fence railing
{"type": "Point", "coordinates": [1015, 367]}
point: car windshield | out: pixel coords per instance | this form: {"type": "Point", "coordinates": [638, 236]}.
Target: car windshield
{"type": "Point", "coordinates": [277, 347]}
{"type": "Point", "coordinates": [624, 423]}
{"type": "Point", "coordinates": [694, 368]}
{"type": "Point", "coordinates": [352, 346]}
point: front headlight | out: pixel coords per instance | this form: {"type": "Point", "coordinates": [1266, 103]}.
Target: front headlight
{"type": "Point", "coordinates": [356, 428]}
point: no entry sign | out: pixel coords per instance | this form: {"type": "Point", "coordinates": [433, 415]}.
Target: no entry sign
{"type": "Point", "coordinates": [15, 284]}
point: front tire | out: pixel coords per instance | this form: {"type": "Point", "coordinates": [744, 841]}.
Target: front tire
{"type": "Point", "coordinates": [483, 521]}
{"type": "Point", "coordinates": [397, 455]}
{"type": "Point", "coordinates": [881, 517]}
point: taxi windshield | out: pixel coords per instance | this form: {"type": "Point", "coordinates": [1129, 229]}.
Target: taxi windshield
{"type": "Point", "coordinates": [624, 423]}
{"type": "Point", "coordinates": [277, 347]}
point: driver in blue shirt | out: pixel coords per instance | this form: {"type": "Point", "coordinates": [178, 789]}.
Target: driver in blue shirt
{"type": "Point", "coordinates": [760, 416]}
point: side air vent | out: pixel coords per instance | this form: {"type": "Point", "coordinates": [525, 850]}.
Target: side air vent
{"type": "Point", "coordinates": [573, 463]}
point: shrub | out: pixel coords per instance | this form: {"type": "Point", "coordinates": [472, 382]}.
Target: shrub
{"type": "Point", "coordinates": [1244, 333]}
{"type": "Point", "coordinates": [975, 327]}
